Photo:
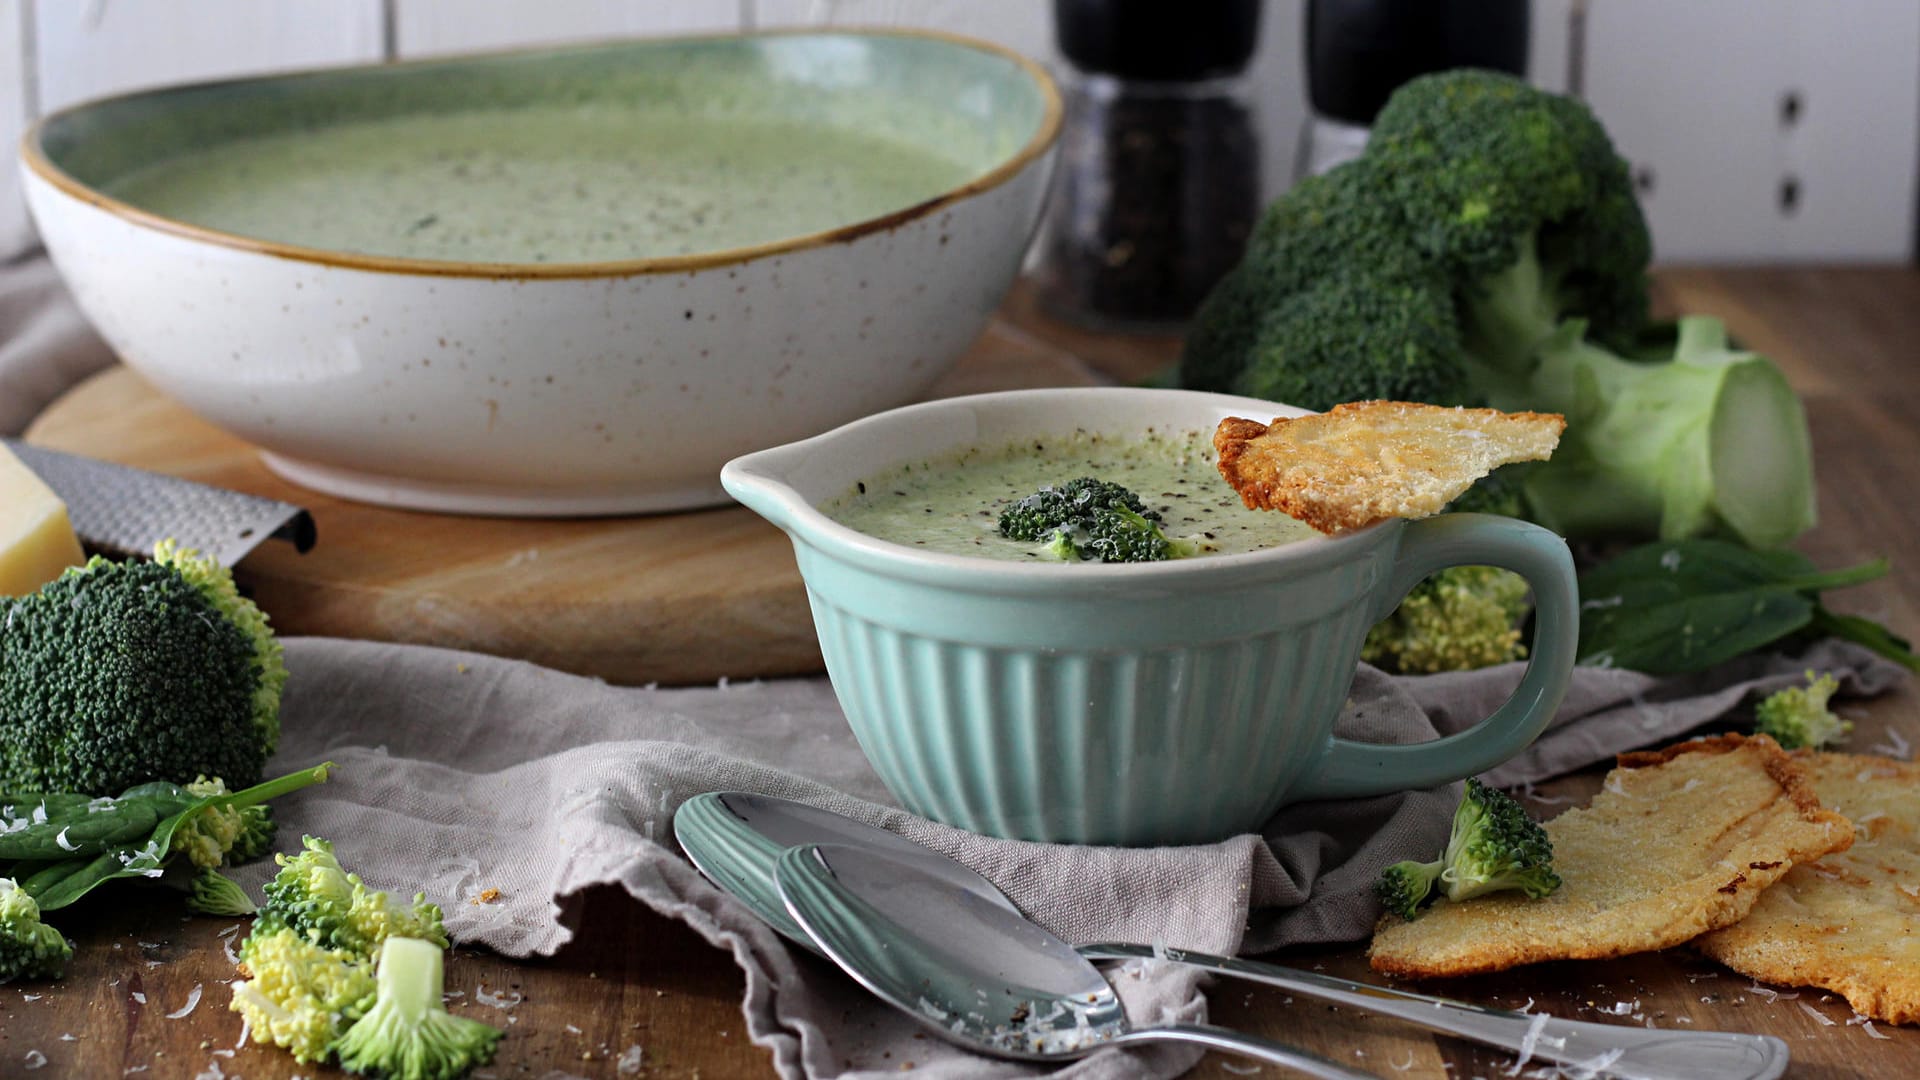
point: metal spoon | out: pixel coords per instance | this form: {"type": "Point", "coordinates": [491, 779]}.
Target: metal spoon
{"type": "Point", "coordinates": [978, 973]}
{"type": "Point", "coordinates": [736, 838]}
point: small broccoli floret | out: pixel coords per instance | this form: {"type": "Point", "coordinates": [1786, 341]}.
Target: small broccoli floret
{"type": "Point", "coordinates": [310, 893]}
{"type": "Point", "coordinates": [1460, 619]}
{"type": "Point", "coordinates": [118, 673]}
{"type": "Point", "coordinates": [1124, 536]}
{"type": "Point", "coordinates": [1493, 846]}
{"type": "Point", "coordinates": [1120, 535]}
{"type": "Point", "coordinates": [223, 834]}
{"type": "Point", "coordinates": [1067, 506]}
{"type": "Point", "coordinates": [214, 893]}
{"type": "Point", "coordinates": [1798, 716]}
{"type": "Point", "coordinates": [408, 1034]}
{"type": "Point", "coordinates": [1496, 846]}
{"type": "Point", "coordinates": [1086, 518]}
{"type": "Point", "coordinates": [315, 896]}
{"type": "Point", "coordinates": [1404, 886]}
{"type": "Point", "coordinates": [1464, 617]}
{"type": "Point", "coordinates": [29, 948]}
{"type": "Point", "coordinates": [301, 995]}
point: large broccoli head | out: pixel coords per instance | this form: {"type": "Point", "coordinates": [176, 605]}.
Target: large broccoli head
{"type": "Point", "coordinates": [1359, 337]}
{"type": "Point", "coordinates": [1482, 213]}
{"type": "Point", "coordinates": [117, 673]}
{"type": "Point", "coordinates": [1330, 279]}
{"type": "Point", "coordinates": [1520, 194]}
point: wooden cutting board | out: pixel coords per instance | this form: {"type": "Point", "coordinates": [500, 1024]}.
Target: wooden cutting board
{"type": "Point", "coordinates": [670, 598]}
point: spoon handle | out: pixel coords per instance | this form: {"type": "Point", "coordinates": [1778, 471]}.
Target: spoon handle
{"type": "Point", "coordinates": [1237, 1042]}
{"type": "Point", "coordinates": [1631, 1053]}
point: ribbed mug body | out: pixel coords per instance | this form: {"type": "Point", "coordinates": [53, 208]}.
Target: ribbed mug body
{"type": "Point", "coordinates": [1166, 712]}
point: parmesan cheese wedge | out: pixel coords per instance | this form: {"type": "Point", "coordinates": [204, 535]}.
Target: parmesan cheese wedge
{"type": "Point", "coordinates": [36, 539]}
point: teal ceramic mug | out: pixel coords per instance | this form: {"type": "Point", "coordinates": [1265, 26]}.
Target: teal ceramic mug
{"type": "Point", "coordinates": [1134, 704]}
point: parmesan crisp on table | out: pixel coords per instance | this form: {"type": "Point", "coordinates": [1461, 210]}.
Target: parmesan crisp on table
{"type": "Point", "coordinates": [1679, 842]}
{"type": "Point", "coordinates": [1850, 921]}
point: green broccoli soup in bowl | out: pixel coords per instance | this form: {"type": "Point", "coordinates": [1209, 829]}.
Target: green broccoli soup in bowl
{"type": "Point", "coordinates": [1047, 616]}
{"type": "Point", "coordinates": [1081, 496]}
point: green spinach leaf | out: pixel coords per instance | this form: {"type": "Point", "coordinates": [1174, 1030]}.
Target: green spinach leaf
{"type": "Point", "coordinates": [1687, 605]}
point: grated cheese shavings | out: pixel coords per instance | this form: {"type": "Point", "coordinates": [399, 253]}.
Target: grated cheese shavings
{"type": "Point", "coordinates": [1825, 1020]}
{"type": "Point", "coordinates": [502, 1001]}
{"type": "Point", "coordinates": [1896, 746]}
{"type": "Point", "coordinates": [193, 1002]}
{"type": "Point", "coordinates": [1528, 1042]}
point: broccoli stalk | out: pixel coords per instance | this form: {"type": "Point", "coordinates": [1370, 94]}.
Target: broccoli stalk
{"type": "Point", "coordinates": [1798, 716]}
{"type": "Point", "coordinates": [1711, 441]}
{"type": "Point", "coordinates": [29, 948]}
{"type": "Point", "coordinates": [1061, 547]}
{"type": "Point", "coordinates": [214, 893]}
{"type": "Point", "coordinates": [408, 1034]}
{"type": "Point", "coordinates": [1494, 846]}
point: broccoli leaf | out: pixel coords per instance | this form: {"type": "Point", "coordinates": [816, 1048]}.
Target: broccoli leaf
{"type": "Point", "coordinates": [1688, 605]}
{"type": "Point", "coordinates": [61, 883]}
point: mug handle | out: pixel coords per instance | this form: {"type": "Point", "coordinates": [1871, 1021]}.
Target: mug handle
{"type": "Point", "coordinates": [1348, 769]}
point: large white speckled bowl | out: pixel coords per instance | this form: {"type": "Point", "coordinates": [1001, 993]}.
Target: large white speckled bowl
{"type": "Point", "coordinates": [523, 385]}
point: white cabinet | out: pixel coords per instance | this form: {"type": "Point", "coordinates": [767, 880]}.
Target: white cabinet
{"type": "Point", "coordinates": [1764, 130]}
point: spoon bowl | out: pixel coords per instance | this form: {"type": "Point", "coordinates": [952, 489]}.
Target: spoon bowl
{"type": "Point", "coordinates": [977, 973]}
{"type": "Point", "coordinates": [735, 837]}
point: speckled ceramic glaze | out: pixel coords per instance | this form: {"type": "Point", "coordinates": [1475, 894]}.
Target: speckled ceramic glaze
{"type": "Point", "coordinates": [1156, 703]}
{"type": "Point", "coordinates": [541, 374]}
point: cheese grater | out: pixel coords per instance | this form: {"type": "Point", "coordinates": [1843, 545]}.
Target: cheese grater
{"type": "Point", "coordinates": [119, 510]}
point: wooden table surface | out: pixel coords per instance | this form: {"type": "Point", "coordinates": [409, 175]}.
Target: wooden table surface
{"type": "Point", "coordinates": [1848, 339]}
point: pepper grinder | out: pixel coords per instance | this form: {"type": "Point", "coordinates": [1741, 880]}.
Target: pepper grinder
{"type": "Point", "coordinates": [1157, 186]}
{"type": "Point", "coordinates": [1360, 51]}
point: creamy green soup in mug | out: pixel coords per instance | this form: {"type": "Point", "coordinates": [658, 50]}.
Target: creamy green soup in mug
{"type": "Point", "coordinates": [952, 504]}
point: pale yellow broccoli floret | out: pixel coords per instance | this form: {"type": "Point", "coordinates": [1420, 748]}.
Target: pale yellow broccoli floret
{"type": "Point", "coordinates": [301, 996]}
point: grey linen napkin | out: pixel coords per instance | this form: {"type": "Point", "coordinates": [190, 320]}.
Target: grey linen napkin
{"type": "Point", "coordinates": [45, 344]}
{"type": "Point", "coordinates": [461, 772]}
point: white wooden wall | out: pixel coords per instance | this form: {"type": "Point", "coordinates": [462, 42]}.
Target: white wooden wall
{"type": "Point", "coordinates": [1763, 130]}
